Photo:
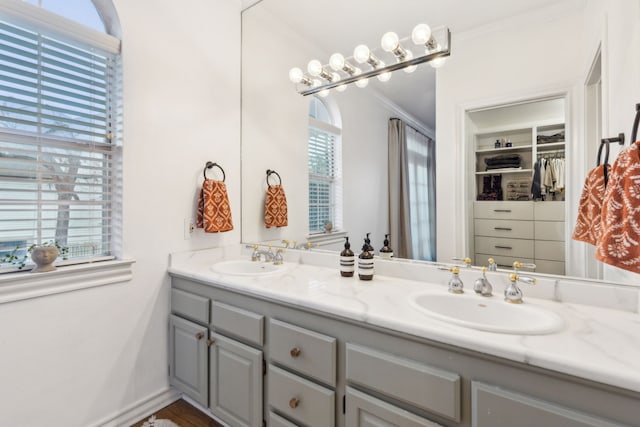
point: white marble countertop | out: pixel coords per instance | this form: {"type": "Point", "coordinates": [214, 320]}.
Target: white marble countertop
{"type": "Point", "coordinates": [600, 340]}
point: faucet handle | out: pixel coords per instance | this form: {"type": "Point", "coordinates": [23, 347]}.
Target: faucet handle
{"type": "Point", "coordinates": [517, 265]}
{"type": "Point", "coordinates": [286, 243]}
{"type": "Point", "coordinates": [492, 264]}
{"type": "Point", "coordinates": [455, 283]}
{"type": "Point", "coordinates": [278, 259]}
{"type": "Point", "coordinates": [512, 293]}
{"type": "Point", "coordinates": [466, 261]}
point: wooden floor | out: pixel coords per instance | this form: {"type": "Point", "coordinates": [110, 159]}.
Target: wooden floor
{"type": "Point", "coordinates": [183, 414]}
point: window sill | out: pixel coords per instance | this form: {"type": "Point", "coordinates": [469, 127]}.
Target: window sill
{"type": "Point", "coordinates": [323, 239]}
{"type": "Point", "coordinates": [24, 285]}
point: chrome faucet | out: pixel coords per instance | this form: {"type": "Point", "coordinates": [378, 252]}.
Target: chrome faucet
{"type": "Point", "coordinates": [278, 259]}
{"type": "Point", "coordinates": [482, 286]}
{"type": "Point", "coordinates": [492, 265]}
{"type": "Point", "coordinates": [455, 283]}
{"type": "Point", "coordinates": [512, 293]}
{"type": "Point", "coordinates": [306, 245]}
{"type": "Point", "coordinates": [256, 255]}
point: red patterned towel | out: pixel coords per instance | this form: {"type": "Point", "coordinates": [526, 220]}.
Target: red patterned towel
{"type": "Point", "coordinates": [275, 207]}
{"type": "Point", "coordinates": [619, 242]}
{"type": "Point", "coordinates": [214, 211]}
{"type": "Point", "coordinates": [588, 224]}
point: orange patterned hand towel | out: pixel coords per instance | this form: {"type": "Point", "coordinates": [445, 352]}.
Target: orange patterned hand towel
{"type": "Point", "coordinates": [275, 207]}
{"type": "Point", "coordinates": [619, 241]}
{"type": "Point", "coordinates": [588, 224]}
{"type": "Point", "coordinates": [214, 211]}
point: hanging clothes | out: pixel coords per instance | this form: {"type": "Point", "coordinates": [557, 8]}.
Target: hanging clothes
{"type": "Point", "coordinates": [619, 241]}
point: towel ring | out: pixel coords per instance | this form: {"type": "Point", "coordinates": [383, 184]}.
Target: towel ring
{"type": "Point", "coordinates": [271, 172]}
{"type": "Point", "coordinates": [209, 165]}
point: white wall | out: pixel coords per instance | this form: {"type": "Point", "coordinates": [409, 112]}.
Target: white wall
{"type": "Point", "coordinates": [514, 59]}
{"type": "Point", "coordinates": [79, 358]}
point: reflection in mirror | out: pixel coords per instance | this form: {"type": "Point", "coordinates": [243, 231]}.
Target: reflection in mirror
{"type": "Point", "coordinates": [495, 61]}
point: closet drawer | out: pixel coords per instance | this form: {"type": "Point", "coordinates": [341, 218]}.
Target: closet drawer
{"type": "Point", "coordinates": [548, 211]}
{"type": "Point", "coordinates": [504, 228]}
{"type": "Point", "coordinates": [413, 382]}
{"type": "Point", "coordinates": [302, 400]}
{"type": "Point", "coordinates": [549, 230]}
{"type": "Point", "coordinates": [507, 247]}
{"type": "Point", "coordinates": [550, 267]}
{"type": "Point", "coordinates": [236, 321]}
{"type": "Point", "coordinates": [302, 350]}
{"type": "Point", "coordinates": [501, 260]}
{"type": "Point", "coordinates": [503, 210]}
{"type": "Point", "coordinates": [189, 305]}
{"type": "Point", "coordinates": [552, 251]}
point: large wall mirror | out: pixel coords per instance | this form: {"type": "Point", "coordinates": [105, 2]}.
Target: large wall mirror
{"type": "Point", "coordinates": [501, 60]}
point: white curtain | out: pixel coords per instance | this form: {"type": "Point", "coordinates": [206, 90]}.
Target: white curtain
{"type": "Point", "coordinates": [412, 190]}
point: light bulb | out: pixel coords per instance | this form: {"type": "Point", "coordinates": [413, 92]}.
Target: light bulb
{"type": "Point", "coordinates": [362, 83]}
{"type": "Point", "coordinates": [314, 67]}
{"type": "Point", "coordinates": [316, 83]}
{"type": "Point", "coordinates": [324, 93]}
{"type": "Point", "coordinates": [336, 61]}
{"type": "Point", "coordinates": [296, 75]}
{"type": "Point", "coordinates": [384, 77]}
{"type": "Point", "coordinates": [390, 41]}
{"type": "Point", "coordinates": [438, 62]}
{"type": "Point", "coordinates": [335, 77]}
{"type": "Point", "coordinates": [421, 34]}
{"type": "Point", "coordinates": [410, 68]}
{"type": "Point", "coordinates": [361, 53]}
{"type": "Point", "coordinates": [341, 88]}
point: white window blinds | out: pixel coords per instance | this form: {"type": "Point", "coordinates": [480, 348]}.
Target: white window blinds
{"type": "Point", "coordinates": [59, 113]}
{"type": "Point", "coordinates": [324, 180]}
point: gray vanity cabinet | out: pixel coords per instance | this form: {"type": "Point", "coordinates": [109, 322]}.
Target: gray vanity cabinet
{"type": "Point", "coordinates": [188, 358]}
{"type": "Point", "coordinates": [235, 381]}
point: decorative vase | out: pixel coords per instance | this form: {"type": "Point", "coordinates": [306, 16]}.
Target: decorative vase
{"type": "Point", "coordinates": [43, 257]}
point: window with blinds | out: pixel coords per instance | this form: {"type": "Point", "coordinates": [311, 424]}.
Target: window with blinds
{"type": "Point", "coordinates": [325, 170]}
{"type": "Point", "coordinates": [59, 106]}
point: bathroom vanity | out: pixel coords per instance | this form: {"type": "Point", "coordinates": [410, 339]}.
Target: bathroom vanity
{"type": "Point", "coordinates": [302, 346]}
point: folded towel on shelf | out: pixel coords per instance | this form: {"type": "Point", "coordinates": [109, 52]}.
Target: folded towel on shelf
{"type": "Point", "coordinates": [214, 211]}
{"type": "Point", "coordinates": [503, 161]}
{"type": "Point", "coordinates": [275, 207]}
{"type": "Point", "coordinates": [619, 241]}
{"type": "Point", "coordinates": [588, 224]}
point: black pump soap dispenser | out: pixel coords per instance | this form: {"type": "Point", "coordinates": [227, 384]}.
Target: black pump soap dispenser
{"type": "Point", "coordinates": [365, 260]}
{"type": "Point", "coordinates": [386, 251]}
{"type": "Point", "coordinates": [347, 260]}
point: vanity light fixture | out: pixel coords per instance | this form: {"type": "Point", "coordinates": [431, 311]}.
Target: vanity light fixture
{"type": "Point", "coordinates": [340, 72]}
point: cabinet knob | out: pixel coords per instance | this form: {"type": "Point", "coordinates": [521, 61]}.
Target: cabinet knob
{"type": "Point", "coordinates": [295, 352]}
{"type": "Point", "coordinates": [199, 335]}
{"type": "Point", "coordinates": [210, 342]}
{"type": "Point", "coordinates": [293, 403]}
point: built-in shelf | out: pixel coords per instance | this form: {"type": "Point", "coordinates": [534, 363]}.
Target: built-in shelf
{"type": "Point", "coordinates": [550, 146]}
{"type": "Point", "coordinates": [503, 149]}
{"type": "Point", "coordinates": [504, 170]}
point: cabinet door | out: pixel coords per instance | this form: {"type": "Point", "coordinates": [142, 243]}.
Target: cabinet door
{"type": "Point", "coordinates": [367, 411]}
{"type": "Point", "coordinates": [188, 358]}
{"type": "Point", "coordinates": [495, 407]}
{"type": "Point", "coordinates": [235, 382]}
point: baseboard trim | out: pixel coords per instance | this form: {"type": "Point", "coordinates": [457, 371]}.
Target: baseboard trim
{"type": "Point", "coordinates": [140, 409]}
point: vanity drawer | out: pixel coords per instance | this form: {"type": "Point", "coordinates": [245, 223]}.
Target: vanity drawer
{"type": "Point", "coordinates": [413, 382]}
{"type": "Point", "coordinates": [504, 228]}
{"type": "Point", "coordinates": [548, 211]}
{"type": "Point", "coordinates": [302, 400]}
{"type": "Point", "coordinates": [521, 248]}
{"type": "Point", "coordinates": [236, 321]}
{"type": "Point", "coordinates": [552, 251]}
{"type": "Point", "coordinates": [276, 420]}
{"type": "Point", "coordinates": [502, 261]}
{"type": "Point", "coordinates": [503, 210]}
{"type": "Point", "coordinates": [190, 306]}
{"type": "Point", "coordinates": [302, 350]}
{"type": "Point", "coordinates": [550, 267]}
{"type": "Point", "coordinates": [549, 230]}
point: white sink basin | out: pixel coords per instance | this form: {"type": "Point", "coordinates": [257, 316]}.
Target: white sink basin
{"type": "Point", "coordinates": [242, 267]}
{"type": "Point", "coordinates": [491, 314]}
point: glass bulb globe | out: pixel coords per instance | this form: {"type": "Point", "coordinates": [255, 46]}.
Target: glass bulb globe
{"type": "Point", "coordinates": [314, 67]}
{"type": "Point", "coordinates": [362, 83]}
{"type": "Point", "coordinates": [410, 68]}
{"type": "Point", "coordinates": [324, 93]}
{"type": "Point", "coordinates": [384, 77]}
{"type": "Point", "coordinates": [336, 61]}
{"type": "Point", "coordinates": [296, 75]}
{"type": "Point", "coordinates": [438, 62]}
{"type": "Point", "coordinates": [390, 41]}
{"type": "Point", "coordinates": [361, 53]}
{"type": "Point", "coordinates": [335, 77]}
{"type": "Point", "coordinates": [341, 88]}
{"type": "Point", "coordinates": [421, 34]}
{"type": "Point", "coordinates": [316, 83]}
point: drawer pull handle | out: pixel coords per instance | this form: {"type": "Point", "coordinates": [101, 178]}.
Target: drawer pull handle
{"type": "Point", "coordinates": [210, 342]}
{"type": "Point", "coordinates": [295, 352]}
{"type": "Point", "coordinates": [199, 335]}
{"type": "Point", "coordinates": [502, 210]}
{"type": "Point", "coordinates": [503, 247]}
{"type": "Point", "coordinates": [293, 403]}
{"type": "Point", "coordinates": [503, 228]}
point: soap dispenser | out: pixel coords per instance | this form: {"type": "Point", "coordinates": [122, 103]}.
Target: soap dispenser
{"type": "Point", "coordinates": [365, 260]}
{"type": "Point", "coordinates": [386, 251]}
{"type": "Point", "coordinates": [347, 260]}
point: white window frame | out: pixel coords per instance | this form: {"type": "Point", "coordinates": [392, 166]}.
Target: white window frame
{"type": "Point", "coordinates": [16, 286]}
